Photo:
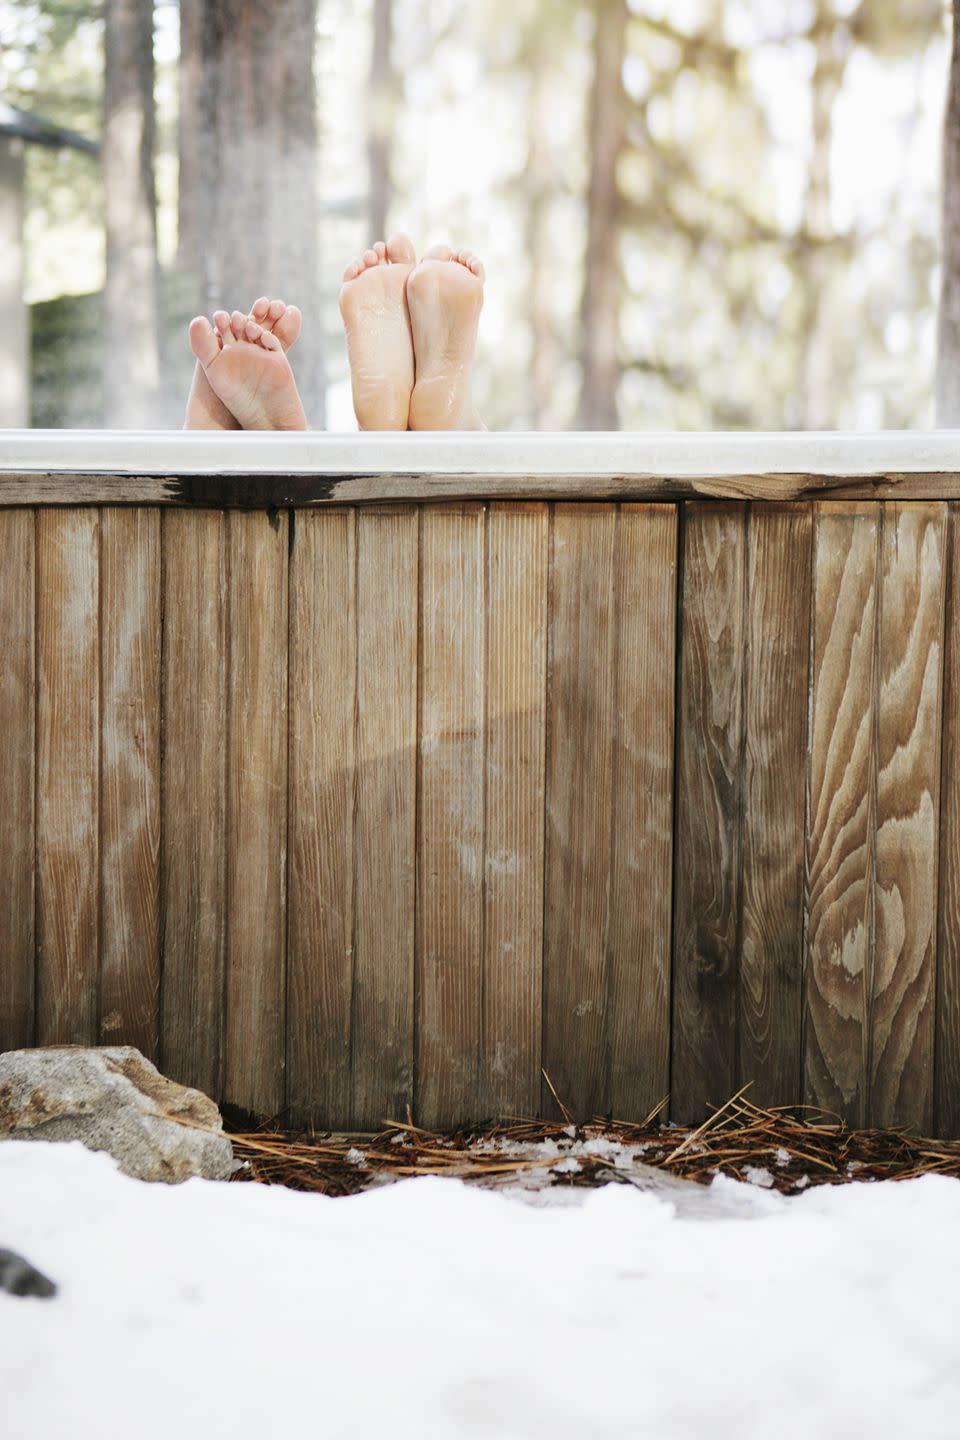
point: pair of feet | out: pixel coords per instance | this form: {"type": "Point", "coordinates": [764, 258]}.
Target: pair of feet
{"type": "Point", "coordinates": [411, 332]}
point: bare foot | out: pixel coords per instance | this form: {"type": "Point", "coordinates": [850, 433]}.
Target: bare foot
{"type": "Point", "coordinates": [379, 342]}
{"type": "Point", "coordinates": [444, 296]}
{"type": "Point", "coordinates": [205, 409]}
{"type": "Point", "coordinates": [248, 371]}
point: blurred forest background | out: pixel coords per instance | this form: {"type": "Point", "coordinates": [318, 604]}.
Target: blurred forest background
{"type": "Point", "coordinates": [694, 213]}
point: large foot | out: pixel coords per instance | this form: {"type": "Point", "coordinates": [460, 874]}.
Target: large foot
{"type": "Point", "coordinates": [379, 343]}
{"type": "Point", "coordinates": [248, 371]}
{"type": "Point", "coordinates": [444, 296]}
{"type": "Point", "coordinates": [205, 409]}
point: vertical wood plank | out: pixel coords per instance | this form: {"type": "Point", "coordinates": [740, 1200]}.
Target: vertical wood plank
{"type": "Point", "coordinates": [947, 1046]}
{"type": "Point", "coordinates": [323, 667]}
{"type": "Point", "coordinates": [68, 774]}
{"type": "Point", "coordinates": [450, 910]}
{"type": "Point", "coordinates": [130, 778]}
{"type": "Point", "coordinates": [841, 809]}
{"type": "Point", "coordinates": [708, 820]}
{"type": "Point", "coordinates": [382, 1024]}
{"type": "Point", "coordinates": [257, 812]}
{"type": "Point", "coordinates": [517, 562]}
{"type": "Point", "coordinates": [581, 691]}
{"type": "Point", "coordinates": [17, 831]}
{"type": "Point", "coordinates": [777, 657]}
{"type": "Point", "coordinates": [908, 805]}
{"type": "Point", "coordinates": [193, 798]}
{"type": "Point", "coordinates": [642, 799]}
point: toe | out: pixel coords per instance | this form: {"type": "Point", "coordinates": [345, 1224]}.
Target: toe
{"type": "Point", "coordinates": [439, 252]}
{"type": "Point", "coordinates": [269, 314]}
{"type": "Point", "coordinates": [222, 321]}
{"type": "Point", "coordinates": [400, 250]}
{"type": "Point", "coordinates": [381, 250]}
{"type": "Point", "coordinates": [276, 312]}
{"type": "Point", "coordinates": [253, 331]}
{"type": "Point", "coordinates": [203, 340]}
{"type": "Point", "coordinates": [238, 323]}
{"type": "Point", "coordinates": [287, 328]}
{"type": "Point", "coordinates": [371, 258]}
{"type": "Point", "coordinates": [259, 309]}
{"type": "Point", "coordinates": [269, 341]}
{"type": "Point", "coordinates": [352, 271]}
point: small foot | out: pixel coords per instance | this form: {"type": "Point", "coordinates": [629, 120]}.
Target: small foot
{"type": "Point", "coordinates": [445, 296]}
{"type": "Point", "coordinates": [205, 409]}
{"type": "Point", "coordinates": [377, 325]}
{"type": "Point", "coordinates": [248, 371]}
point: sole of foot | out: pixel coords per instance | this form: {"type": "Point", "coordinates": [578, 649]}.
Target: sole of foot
{"type": "Point", "coordinates": [205, 409]}
{"type": "Point", "coordinates": [248, 371]}
{"type": "Point", "coordinates": [379, 341]}
{"type": "Point", "coordinates": [444, 297]}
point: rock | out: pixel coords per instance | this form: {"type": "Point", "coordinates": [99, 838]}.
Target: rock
{"type": "Point", "coordinates": [111, 1098]}
{"type": "Point", "coordinates": [18, 1277]}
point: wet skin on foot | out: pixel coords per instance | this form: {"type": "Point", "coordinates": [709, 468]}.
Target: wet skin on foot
{"type": "Point", "coordinates": [444, 297]}
{"type": "Point", "coordinates": [379, 341]}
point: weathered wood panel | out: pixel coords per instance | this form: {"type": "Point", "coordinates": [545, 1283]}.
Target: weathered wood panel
{"type": "Point", "coordinates": [645, 582]}
{"type": "Point", "coordinates": [908, 803]}
{"type": "Point", "coordinates": [709, 819]}
{"type": "Point", "coordinates": [516, 645]}
{"type": "Point", "coordinates": [485, 864]}
{"type": "Point", "coordinates": [323, 675]}
{"type": "Point", "coordinates": [776, 651]}
{"type": "Point", "coordinates": [947, 1028]}
{"type": "Point", "coordinates": [68, 769]}
{"type": "Point", "coordinates": [382, 1019]}
{"type": "Point", "coordinates": [130, 778]}
{"type": "Point", "coordinates": [193, 799]}
{"type": "Point", "coordinates": [17, 830]}
{"type": "Point", "coordinates": [580, 729]}
{"type": "Point", "coordinates": [439, 476]}
{"type": "Point", "coordinates": [841, 810]}
{"type": "Point", "coordinates": [256, 813]}
{"type": "Point", "coordinates": [450, 842]}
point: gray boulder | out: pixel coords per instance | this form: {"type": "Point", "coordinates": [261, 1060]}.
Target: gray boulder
{"type": "Point", "coordinates": [112, 1098]}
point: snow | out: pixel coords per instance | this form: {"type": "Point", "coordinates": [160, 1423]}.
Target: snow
{"type": "Point", "coordinates": [758, 1175]}
{"type": "Point", "coordinates": [432, 1309]}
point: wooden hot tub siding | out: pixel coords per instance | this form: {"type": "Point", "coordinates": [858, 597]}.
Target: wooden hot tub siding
{"type": "Point", "coordinates": [341, 809]}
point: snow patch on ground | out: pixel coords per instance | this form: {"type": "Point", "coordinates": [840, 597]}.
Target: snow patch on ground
{"type": "Point", "coordinates": [435, 1310]}
{"type": "Point", "coordinates": [758, 1175]}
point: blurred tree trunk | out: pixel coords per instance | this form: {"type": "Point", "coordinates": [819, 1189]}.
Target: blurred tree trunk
{"type": "Point", "coordinates": [540, 186]}
{"type": "Point", "coordinates": [131, 306]}
{"type": "Point", "coordinates": [249, 184]}
{"type": "Point", "coordinates": [603, 279]}
{"type": "Point", "coordinates": [194, 127]}
{"type": "Point", "coordinates": [382, 111]}
{"type": "Point", "coordinates": [819, 379]}
{"type": "Point", "coordinates": [948, 330]}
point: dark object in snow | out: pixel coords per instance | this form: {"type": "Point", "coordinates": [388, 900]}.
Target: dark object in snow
{"type": "Point", "coordinates": [18, 1277]}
